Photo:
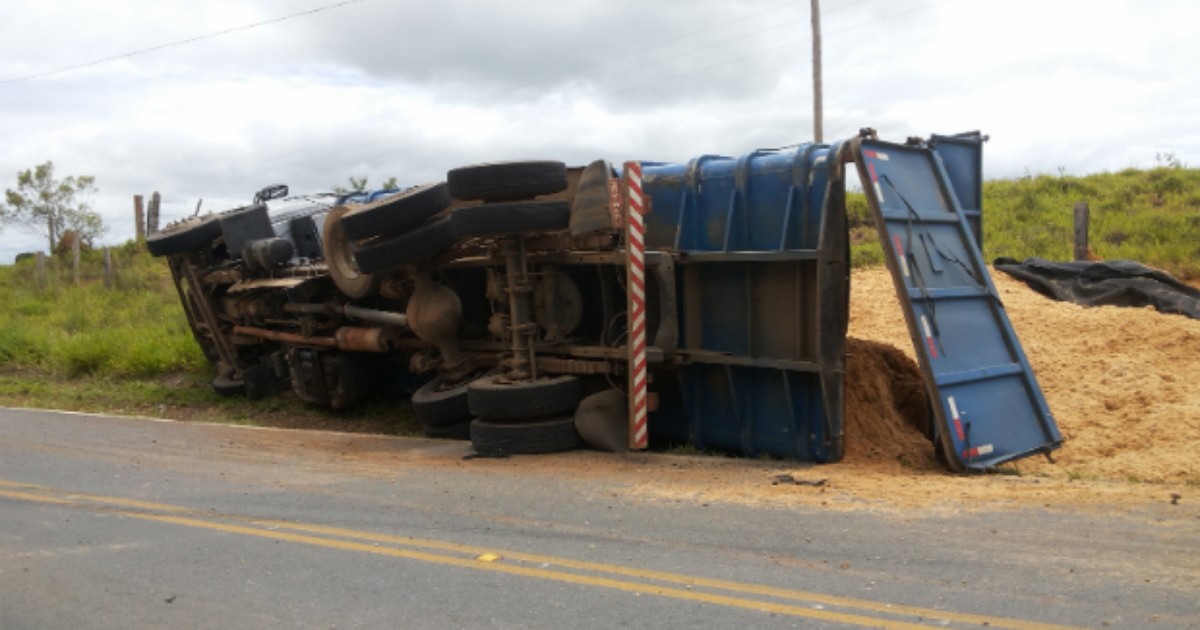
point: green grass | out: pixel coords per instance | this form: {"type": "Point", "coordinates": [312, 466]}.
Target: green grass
{"type": "Point", "coordinates": [1151, 216]}
{"type": "Point", "coordinates": [126, 348]}
{"type": "Point", "coordinates": [133, 328]}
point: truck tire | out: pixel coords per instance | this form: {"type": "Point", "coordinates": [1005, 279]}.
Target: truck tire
{"type": "Point", "coordinates": [397, 212]}
{"type": "Point", "coordinates": [507, 181]}
{"type": "Point", "coordinates": [436, 407]}
{"type": "Point", "coordinates": [492, 399]}
{"type": "Point", "coordinates": [515, 217]}
{"type": "Point", "coordinates": [340, 261]}
{"type": "Point", "coordinates": [187, 236]}
{"type": "Point", "coordinates": [545, 436]}
{"type": "Point", "coordinates": [428, 240]}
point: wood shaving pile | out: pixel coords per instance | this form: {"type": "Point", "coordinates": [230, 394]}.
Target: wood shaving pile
{"type": "Point", "coordinates": [1122, 383]}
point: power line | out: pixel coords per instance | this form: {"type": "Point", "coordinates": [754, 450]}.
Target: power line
{"type": "Point", "coordinates": [182, 42]}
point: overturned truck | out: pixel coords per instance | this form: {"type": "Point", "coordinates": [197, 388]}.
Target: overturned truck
{"type": "Point", "coordinates": [531, 307]}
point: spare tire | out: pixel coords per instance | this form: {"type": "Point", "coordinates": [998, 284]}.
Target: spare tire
{"type": "Point", "coordinates": [397, 212]}
{"type": "Point", "coordinates": [546, 436]}
{"type": "Point", "coordinates": [514, 217]}
{"type": "Point", "coordinates": [428, 240]}
{"type": "Point", "coordinates": [340, 261]}
{"type": "Point", "coordinates": [507, 181]}
{"type": "Point", "coordinates": [492, 398]}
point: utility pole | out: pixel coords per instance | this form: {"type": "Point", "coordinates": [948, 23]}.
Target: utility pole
{"type": "Point", "coordinates": [818, 97]}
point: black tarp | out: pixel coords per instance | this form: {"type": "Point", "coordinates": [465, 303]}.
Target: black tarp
{"type": "Point", "coordinates": [1111, 282]}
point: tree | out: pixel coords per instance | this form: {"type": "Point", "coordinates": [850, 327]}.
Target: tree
{"type": "Point", "coordinates": [50, 206]}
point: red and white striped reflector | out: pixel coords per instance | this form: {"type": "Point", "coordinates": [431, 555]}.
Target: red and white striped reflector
{"type": "Point", "coordinates": [958, 427]}
{"type": "Point", "coordinates": [977, 451]}
{"type": "Point", "coordinates": [635, 239]}
{"type": "Point", "coordinates": [929, 338]}
{"type": "Point", "coordinates": [900, 254]}
{"type": "Point", "coordinates": [875, 181]}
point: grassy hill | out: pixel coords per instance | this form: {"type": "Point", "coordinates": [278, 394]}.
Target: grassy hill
{"type": "Point", "coordinates": [1151, 216]}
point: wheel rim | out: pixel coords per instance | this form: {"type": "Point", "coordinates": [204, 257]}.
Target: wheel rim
{"type": "Point", "coordinates": [338, 259]}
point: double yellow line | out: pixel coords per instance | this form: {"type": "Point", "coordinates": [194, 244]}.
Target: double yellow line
{"type": "Point", "coordinates": [615, 577]}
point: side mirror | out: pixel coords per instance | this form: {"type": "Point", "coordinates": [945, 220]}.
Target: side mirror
{"type": "Point", "coordinates": [274, 191]}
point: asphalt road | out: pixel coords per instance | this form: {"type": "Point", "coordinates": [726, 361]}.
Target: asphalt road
{"type": "Point", "coordinates": [126, 523]}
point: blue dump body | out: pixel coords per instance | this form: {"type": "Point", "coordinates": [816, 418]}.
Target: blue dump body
{"type": "Point", "coordinates": [763, 298]}
{"type": "Point", "coordinates": [962, 157]}
{"type": "Point", "coordinates": [987, 403]}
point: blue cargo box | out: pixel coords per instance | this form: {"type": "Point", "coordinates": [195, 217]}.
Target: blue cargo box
{"type": "Point", "coordinates": [762, 277]}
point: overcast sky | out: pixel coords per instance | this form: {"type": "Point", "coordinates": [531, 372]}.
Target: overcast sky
{"type": "Point", "coordinates": [410, 89]}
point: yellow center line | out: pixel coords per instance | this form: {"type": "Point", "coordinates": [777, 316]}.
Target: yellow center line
{"type": "Point", "coordinates": [677, 578]}
{"type": "Point", "coordinates": [25, 496]}
{"type": "Point", "coordinates": [269, 528]}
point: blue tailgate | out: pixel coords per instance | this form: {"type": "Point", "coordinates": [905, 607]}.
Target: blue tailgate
{"type": "Point", "coordinates": [987, 403]}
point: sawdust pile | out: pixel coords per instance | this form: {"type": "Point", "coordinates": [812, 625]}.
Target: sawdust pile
{"type": "Point", "coordinates": [886, 406]}
{"type": "Point", "coordinates": [1123, 384]}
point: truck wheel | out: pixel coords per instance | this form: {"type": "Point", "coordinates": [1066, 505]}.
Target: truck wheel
{"type": "Point", "coordinates": [428, 240]}
{"type": "Point", "coordinates": [189, 235]}
{"type": "Point", "coordinates": [437, 406]}
{"type": "Point", "coordinates": [515, 217]}
{"type": "Point", "coordinates": [338, 259]}
{"type": "Point", "coordinates": [226, 385]}
{"type": "Point", "coordinates": [491, 398]}
{"type": "Point", "coordinates": [546, 436]}
{"type": "Point", "coordinates": [397, 212]}
{"type": "Point", "coordinates": [506, 181]}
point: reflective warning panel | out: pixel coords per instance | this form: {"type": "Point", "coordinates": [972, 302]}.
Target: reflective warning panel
{"type": "Point", "coordinates": [986, 400]}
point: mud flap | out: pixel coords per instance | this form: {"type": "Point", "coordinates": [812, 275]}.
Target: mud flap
{"type": "Point", "coordinates": [986, 401]}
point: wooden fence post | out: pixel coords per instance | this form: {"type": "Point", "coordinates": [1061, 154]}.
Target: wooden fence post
{"type": "Point", "coordinates": [1081, 230]}
{"type": "Point", "coordinates": [139, 218]}
{"type": "Point", "coordinates": [152, 214]}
